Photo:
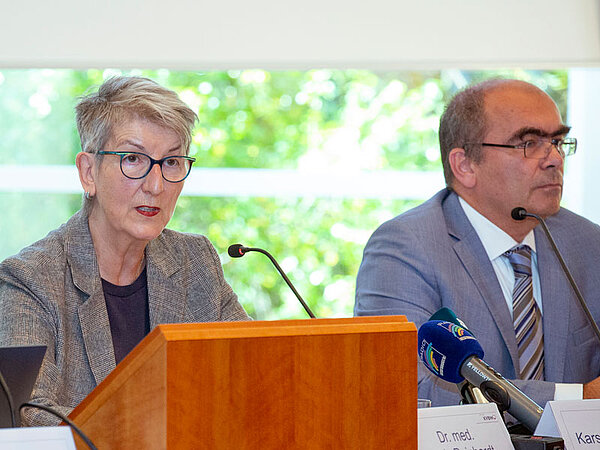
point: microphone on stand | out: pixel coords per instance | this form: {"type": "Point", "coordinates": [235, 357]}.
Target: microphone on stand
{"type": "Point", "coordinates": [521, 213]}
{"type": "Point", "coordinates": [238, 250]}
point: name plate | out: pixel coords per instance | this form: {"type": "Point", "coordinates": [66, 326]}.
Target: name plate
{"type": "Point", "coordinates": [577, 422]}
{"type": "Point", "coordinates": [464, 427]}
{"type": "Point", "coordinates": [48, 438]}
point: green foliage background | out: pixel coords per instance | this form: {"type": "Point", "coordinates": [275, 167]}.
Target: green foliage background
{"type": "Point", "coordinates": [330, 120]}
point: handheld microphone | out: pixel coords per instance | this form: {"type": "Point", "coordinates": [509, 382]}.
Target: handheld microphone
{"type": "Point", "coordinates": [454, 355]}
{"type": "Point", "coordinates": [469, 394]}
{"type": "Point", "coordinates": [447, 315]}
{"type": "Point", "coordinates": [238, 250]}
{"type": "Point", "coordinates": [521, 213]}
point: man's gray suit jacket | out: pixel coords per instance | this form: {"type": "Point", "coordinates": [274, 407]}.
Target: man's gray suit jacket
{"type": "Point", "coordinates": [431, 257]}
{"type": "Point", "coordinates": [51, 294]}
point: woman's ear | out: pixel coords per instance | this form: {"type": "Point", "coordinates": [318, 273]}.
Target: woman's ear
{"type": "Point", "coordinates": [462, 168]}
{"type": "Point", "coordinates": [85, 163]}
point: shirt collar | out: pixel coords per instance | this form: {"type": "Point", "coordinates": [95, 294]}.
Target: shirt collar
{"type": "Point", "coordinates": [495, 241]}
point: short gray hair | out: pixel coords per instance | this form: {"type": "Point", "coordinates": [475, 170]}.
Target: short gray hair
{"type": "Point", "coordinates": [122, 98]}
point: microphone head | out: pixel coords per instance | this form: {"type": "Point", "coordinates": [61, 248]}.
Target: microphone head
{"type": "Point", "coordinates": [444, 347]}
{"type": "Point", "coordinates": [448, 315]}
{"type": "Point", "coordinates": [518, 213]}
{"type": "Point", "coordinates": [236, 250]}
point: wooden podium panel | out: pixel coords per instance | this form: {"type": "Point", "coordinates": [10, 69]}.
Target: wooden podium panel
{"type": "Point", "coordinates": [317, 383]}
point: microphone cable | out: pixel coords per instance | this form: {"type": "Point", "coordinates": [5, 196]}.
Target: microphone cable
{"type": "Point", "coordinates": [11, 404]}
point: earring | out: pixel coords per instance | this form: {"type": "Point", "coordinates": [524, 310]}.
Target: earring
{"type": "Point", "coordinates": [87, 195]}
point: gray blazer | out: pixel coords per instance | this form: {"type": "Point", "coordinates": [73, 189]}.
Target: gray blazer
{"type": "Point", "coordinates": [431, 257]}
{"type": "Point", "coordinates": [51, 294]}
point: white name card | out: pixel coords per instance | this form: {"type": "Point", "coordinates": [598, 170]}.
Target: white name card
{"type": "Point", "coordinates": [35, 438]}
{"type": "Point", "coordinates": [577, 422]}
{"type": "Point", "coordinates": [463, 427]}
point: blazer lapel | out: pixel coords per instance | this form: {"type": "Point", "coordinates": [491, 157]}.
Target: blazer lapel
{"type": "Point", "coordinates": [473, 256]}
{"type": "Point", "coordinates": [95, 328]}
{"type": "Point", "coordinates": [166, 286]}
{"type": "Point", "coordinates": [556, 301]}
{"type": "Point", "coordinates": [93, 316]}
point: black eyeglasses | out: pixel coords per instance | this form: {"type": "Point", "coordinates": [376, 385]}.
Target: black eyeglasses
{"type": "Point", "coordinates": [540, 148]}
{"type": "Point", "coordinates": [135, 165]}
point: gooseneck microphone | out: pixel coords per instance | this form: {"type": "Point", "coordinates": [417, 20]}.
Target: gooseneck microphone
{"type": "Point", "coordinates": [238, 250]}
{"type": "Point", "coordinates": [453, 354]}
{"type": "Point", "coordinates": [521, 213]}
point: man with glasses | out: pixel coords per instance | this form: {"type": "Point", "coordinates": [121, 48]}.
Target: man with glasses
{"type": "Point", "coordinates": [503, 145]}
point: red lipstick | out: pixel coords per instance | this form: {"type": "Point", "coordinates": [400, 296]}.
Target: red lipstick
{"type": "Point", "coordinates": [148, 211]}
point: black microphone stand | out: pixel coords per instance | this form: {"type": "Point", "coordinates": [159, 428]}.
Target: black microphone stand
{"type": "Point", "coordinates": [520, 214]}
{"type": "Point", "coordinates": [238, 250]}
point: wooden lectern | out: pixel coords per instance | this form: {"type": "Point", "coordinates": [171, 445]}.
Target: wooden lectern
{"type": "Point", "coordinates": [293, 384]}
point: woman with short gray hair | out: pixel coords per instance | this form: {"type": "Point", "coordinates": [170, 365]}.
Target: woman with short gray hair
{"type": "Point", "coordinates": [93, 288]}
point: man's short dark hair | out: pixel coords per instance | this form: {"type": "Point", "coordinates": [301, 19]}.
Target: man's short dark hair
{"type": "Point", "coordinates": [464, 123]}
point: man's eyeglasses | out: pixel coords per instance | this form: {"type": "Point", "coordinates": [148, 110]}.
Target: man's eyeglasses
{"type": "Point", "coordinates": [540, 148]}
{"type": "Point", "coordinates": [135, 165]}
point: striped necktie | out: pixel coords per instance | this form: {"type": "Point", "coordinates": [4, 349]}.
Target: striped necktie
{"type": "Point", "coordinates": [527, 318]}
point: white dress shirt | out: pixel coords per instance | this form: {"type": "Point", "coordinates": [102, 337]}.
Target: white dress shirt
{"type": "Point", "coordinates": [496, 242]}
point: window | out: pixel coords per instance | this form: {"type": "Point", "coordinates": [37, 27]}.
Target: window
{"type": "Point", "coordinates": [303, 164]}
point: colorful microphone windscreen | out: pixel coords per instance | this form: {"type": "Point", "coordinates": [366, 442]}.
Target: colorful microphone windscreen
{"type": "Point", "coordinates": [444, 346]}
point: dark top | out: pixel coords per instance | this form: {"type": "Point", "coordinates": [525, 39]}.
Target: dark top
{"type": "Point", "coordinates": [128, 314]}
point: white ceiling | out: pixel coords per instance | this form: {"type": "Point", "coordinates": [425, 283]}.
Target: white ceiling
{"type": "Point", "coordinates": [280, 34]}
